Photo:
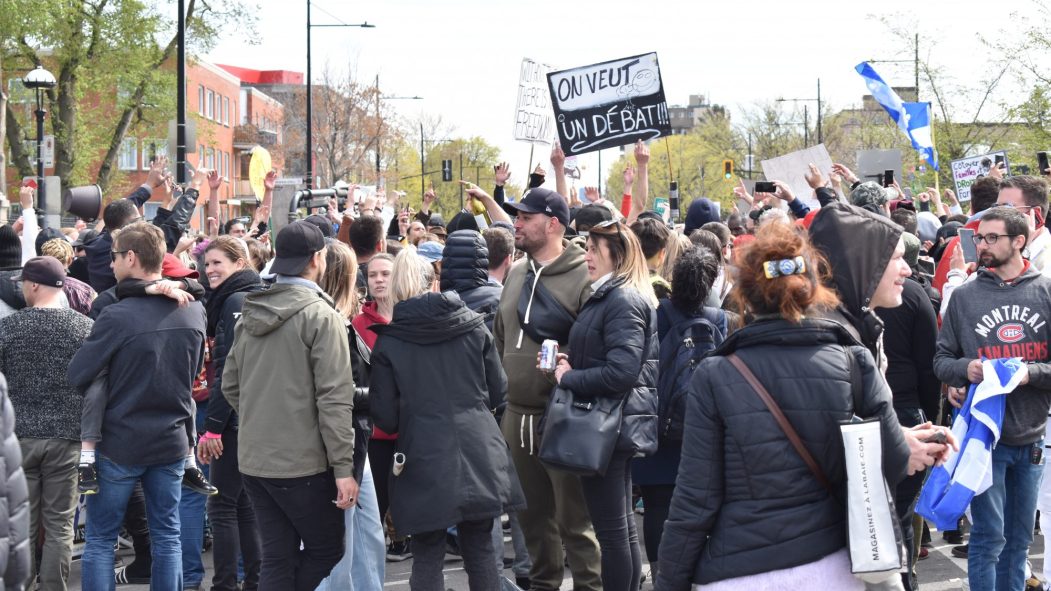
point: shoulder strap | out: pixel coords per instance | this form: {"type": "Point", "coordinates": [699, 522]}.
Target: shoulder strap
{"type": "Point", "coordinates": [782, 421]}
{"type": "Point", "coordinates": [855, 380]}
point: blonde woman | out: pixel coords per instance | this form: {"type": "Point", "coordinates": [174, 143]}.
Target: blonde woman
{"type": "Point", "coordinates": [362, 565]}
{"type": "Point", "coordinates": [436, 376]}
{"type": "Point", "coordinates": [613, 353]}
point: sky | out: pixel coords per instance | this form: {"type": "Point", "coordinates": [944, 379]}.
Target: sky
{"type": "Point", "coordinates": [463, 56]}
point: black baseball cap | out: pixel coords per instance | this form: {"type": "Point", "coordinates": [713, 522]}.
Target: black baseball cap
{"type": "Point", "coordinates": [322, 224]}
{"type": "Point", "coordinates": [43, 270]}
{"type": "Point", "coordinates": [541, 200]}
{"type": "Point", "coordinates": [296, 243]}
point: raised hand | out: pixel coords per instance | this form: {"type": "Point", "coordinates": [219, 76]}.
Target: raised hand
{"type": "Point", "coordinates": [428, 198]}
{"type": "Point", "coordinates": [642, 154]}
{"type": "Point", "coordinates": [214, 180]}
{"type": "Point", "coordinates": [629, 177]}
{"type": "Point", "coordinates": [558, 157]}
{"type": "Point", "coordinates": [157, 173]}
{"type": "Point", "coordinates": [502, 172]}
{"type": "Point", "coordinates": [270, 180]}
{"type": "Point", "coordinates": [844, 172]}
{"type": "Point", "coordinates": [25, 197]}
{"type": "Point", "coordinates": [785, 193]}
{"type": "Point", "coordinates": [813, 177]}
{"type": "Point", "coordinates": [592, 194]}
{"type": "Point", "coordinates": [742, 193]}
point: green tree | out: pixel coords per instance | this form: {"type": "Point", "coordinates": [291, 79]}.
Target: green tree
{"type": "Point", "coordinates": [113, 63]}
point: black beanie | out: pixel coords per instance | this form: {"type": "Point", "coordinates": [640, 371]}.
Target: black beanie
{"type": "Point", "coordinates": [10, 248]}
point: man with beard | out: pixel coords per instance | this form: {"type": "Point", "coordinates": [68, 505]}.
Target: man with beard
{"type": "Point", "coordinates": [1002, 313]}
{"type": "Point", "coordinates": [542, 295]}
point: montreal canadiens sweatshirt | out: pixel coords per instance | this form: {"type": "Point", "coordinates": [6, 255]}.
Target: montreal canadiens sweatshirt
{"type": "Point", "coordinates": [989, 318]}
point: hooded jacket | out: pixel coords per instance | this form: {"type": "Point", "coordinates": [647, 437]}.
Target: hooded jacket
{"type": "Point", "coordinates": [444, 421]}
{"type": "Point", "coordinates": [566, 287]}
{"type": "Point", "coordinates": [745, 501]}
{"type": "Point", "coordinates": [14, 508]}
{"type": "Point", "coordinates": [989, 318]}
{"type": "Point", "coordinates": [856, 272]}
{"type": "Point", "coordinates": [465, 270]}
{"type": "Point", "coordinates": [288, 378]}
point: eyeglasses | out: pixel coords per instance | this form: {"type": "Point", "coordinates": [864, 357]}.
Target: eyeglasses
{"type": "Point", "coordinates": [113, 254]}
{"type": "Point", "coordinates": [1022, 208]}
{"type": "Point", "coordinates": [991, 238]}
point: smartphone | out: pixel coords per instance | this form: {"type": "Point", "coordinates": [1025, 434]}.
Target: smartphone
{"type": "Point", "coordinates": [888, 178]}
{"type": "Point", "coordinates": [970, 249]}
{"type": "Point", "coordinates": [938, 437]}
{"type": "Point", "coordinates": [1042, 163]}
{"type": "Point", "coordinates": [765, 187]}
{"type": "Point", "coordinates": [999, 160]}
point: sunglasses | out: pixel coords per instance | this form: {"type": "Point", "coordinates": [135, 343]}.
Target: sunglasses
{"type": "Point", "coordinates": [607, 224]}
{"type": "Point", "coordinates": [113, 254]}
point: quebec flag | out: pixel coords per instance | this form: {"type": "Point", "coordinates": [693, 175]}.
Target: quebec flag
{"type": "Point", "coordinates": [951, 486]}
{"type": "Point", "coordinates": [913, 118]}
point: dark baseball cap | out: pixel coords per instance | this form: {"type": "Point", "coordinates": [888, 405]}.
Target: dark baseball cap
{"type": "Point", "coordinates": [43, 270]}
{"type": "Point", "coordinates": [541, 200]}
{"type": "Point", "coordinates": [322, 224]}
{"type": "Point", "coordinates": [296, 243]}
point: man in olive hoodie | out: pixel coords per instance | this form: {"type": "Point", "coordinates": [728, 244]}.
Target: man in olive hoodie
{"type": "Point", "coordinates": [541, 298]}
{"type": "Point", "coordinates": [288, 379]}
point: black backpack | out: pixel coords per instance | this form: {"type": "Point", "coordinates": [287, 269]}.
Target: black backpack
{"type": "Point", "coordinates": [680, 351]}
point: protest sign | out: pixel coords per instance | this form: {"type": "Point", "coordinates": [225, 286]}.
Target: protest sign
{"type": "Point", "coordinates": [790, 168]}
{"type": "Point", "coordinates": [609, 104]}
{"type": "Point", "coordinates": [873, 163]}
{"type": "Point", "coordinates": [967, 170]}
{"type": "Point", "coordinates": [534, 121]}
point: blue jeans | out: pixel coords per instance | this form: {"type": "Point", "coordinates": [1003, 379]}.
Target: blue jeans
{"type": "Point", "coordinates": [162, 484]}
{"type": "Point", "coordinates": [191, 515]}
{"type": "Point", "coordinates": [1004, 517]}
{"type": "Point", "coordinates": [364, 559]}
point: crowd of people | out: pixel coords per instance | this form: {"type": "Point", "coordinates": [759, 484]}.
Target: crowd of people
{"type": "Point", "coordinates": [375, 384]}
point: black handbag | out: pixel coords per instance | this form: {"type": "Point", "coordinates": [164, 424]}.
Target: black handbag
{"type": "Point", "coordinates": [580, 433]}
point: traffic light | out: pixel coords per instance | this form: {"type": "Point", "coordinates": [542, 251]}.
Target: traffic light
{"type": "Point", "coordinates": [447, 170]}
{"type": "Point", "coordinates": [728, 169]}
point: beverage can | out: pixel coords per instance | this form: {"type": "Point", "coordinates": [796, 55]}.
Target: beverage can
{"type": "Point", "coordinates": [548, 355]}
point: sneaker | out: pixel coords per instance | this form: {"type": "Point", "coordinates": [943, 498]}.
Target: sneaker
{"type": "Point", "coordinates": [87, 479]}
{"type": "Point", "coordinates": [194, 480]}
{"type": "Point", "coordinates": [924, 554]}
{"type": "Point", "coordinates": [1033, 584]}
{"type": "Point", "coordinates": [960, 551]}
{"type": "Point", "coordinates": [122, 577]}
{"type": "Point", "coordinates": [399, 551]}
{"type": "Point", "coordinates": [522, 582]}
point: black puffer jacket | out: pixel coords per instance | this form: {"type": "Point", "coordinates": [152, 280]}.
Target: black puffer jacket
{"type": "Point", "coordinates": [436, 376]}
{"type": "Point", "coordinates": [613, 349]}
{"type": "Point", "coordinates": [14, 502]}
{"type": "Point", "coordinates": [745, 501]}
{"type": "Point", "coordinates": [465, 270]}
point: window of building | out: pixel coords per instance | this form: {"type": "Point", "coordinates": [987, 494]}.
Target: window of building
{"type": "Point", "coordinates": [200, 99]}
{"type": "Point", "coordinates": [128, 159]}
{"type": "Point", "coordinates": [226, 111]}
{"type": "Point", "coordinates": [210, 158]}
{"type": "Point", "coordinates": [209, 105]}
{"type": "Point", "coordinates": [151, 149]}
{"type": "Point", "coordinates": [200, 156]}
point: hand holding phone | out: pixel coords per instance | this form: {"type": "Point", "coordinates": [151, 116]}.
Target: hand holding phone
{"type": "Point", "coordinates": [970, 249]}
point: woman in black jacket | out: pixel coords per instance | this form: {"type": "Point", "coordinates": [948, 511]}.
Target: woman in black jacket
{"type": "Point", "coordinates": [436, 376]}
{"type": "Point", "coordinates": [234, 528]}
{"type": "Point", "coordinates": [746, 509]}
{"type": "Point", "coordinates": [613, 353]}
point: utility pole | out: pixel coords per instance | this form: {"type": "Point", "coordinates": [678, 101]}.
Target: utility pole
{"type": "Point", "coordinates": [180, 101]}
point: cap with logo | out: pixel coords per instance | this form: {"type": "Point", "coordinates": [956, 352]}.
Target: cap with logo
{"type": "Point", "coordinates": [296, 243]}
{"type": "Point", "coordinates": [541, 200]}
{"type": "Point", "coordinates": [43, 270]}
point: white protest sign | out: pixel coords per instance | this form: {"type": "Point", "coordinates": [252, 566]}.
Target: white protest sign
{"type": "Point", "coordinates": [534, 120]}
{"type": "Point", "coordinates": [967, 170]}
{"type": "Point", "coordinates": [790, 168]}
{"type": "Point", "coordinates": [609, 104]}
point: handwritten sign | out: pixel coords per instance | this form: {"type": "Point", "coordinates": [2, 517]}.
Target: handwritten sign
{"type": "Point", "coordinates": [967, 170]}
{"type": "Point", "coordinates": [534, 121]}
{"type": "Point", "coordinates": [609, 104]}
{"type": "Point", "coordinates": [791, 167]}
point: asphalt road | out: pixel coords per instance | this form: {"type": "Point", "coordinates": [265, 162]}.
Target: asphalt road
{"type": "Point", "coordinates": [939, 572]}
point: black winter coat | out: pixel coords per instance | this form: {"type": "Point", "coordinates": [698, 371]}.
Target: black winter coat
{"type": "Point", "coordinates": [745, 501]}
{"type": "Point", "coordinates": [436, 376]}
{"type": "Point", "coordinates": [465, 270]}
{"type": "Point", "coordinates": [223, 316]}
{"type": "Point", "coordinates": [14, 502]}
{"type": "Point", "coordinates": [613, 350]}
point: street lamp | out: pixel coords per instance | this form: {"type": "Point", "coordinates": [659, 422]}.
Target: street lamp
{"type": "Point", "coordinates": [800, 100]}
{"type": "Point", "coordinates": [379, 122]}
{"type": "Point", "coordinates": [40, 80]}
{"type": "Point", "coordinates": [310, 120]}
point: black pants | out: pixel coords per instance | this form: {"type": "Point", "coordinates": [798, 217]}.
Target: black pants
{"type": "Point", "coordinates": [476, 546]}
{"type": "Point", "coordinates": [657, 501]}
{"type": "Point", "coordinates": [381, 458]}
{"type": "Point", "coordinates": [905, 495]}
{"type": "Point", "coordinates": [233, 522]}
{"type": "Point", "coordinates": [294, 511]}
{"type": "Point", "coordinates": [609, 503]}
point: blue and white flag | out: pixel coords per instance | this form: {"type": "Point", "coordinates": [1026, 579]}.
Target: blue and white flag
{"type": "Point", "coordinates": [951, 486]}
{"type": "Point", "coordinates": [913, 118]}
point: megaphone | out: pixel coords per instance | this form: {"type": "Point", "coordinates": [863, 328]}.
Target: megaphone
{"type": "Point", "coordinates": [83, 202]}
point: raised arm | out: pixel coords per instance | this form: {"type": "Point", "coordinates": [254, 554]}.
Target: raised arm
{"type": "Point", "coordinates": [558, 162]}
{"type": "Point", "coordinates": [640, 196]}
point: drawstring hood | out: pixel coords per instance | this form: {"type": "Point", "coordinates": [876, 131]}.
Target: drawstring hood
{"type": "Point", "coordinates": [532, 294]}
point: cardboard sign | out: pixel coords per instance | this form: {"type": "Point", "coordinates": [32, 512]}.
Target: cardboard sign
{"type": "Point", "coordinates": [534, 121]}
{"type": "Point", "coordinates": [609, 104]}
{"type": "Point", "coordinates": [790, 168]}
{"type": "Point", "coordinates": [967, 170]}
